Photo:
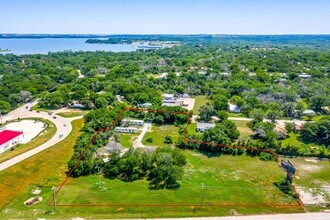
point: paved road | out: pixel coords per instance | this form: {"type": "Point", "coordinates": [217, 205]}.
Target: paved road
{"type": "Point", "coordinates": [296, 216]}
{"type": "Point", "coordinates": [194, 117]}
{"type": "Point", "coordinates": [63, 126]}
{"type": "Point", "coordinates": [265, 120]}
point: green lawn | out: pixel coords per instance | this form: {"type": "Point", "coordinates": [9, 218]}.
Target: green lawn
{"type": "Point", "coordinates": [72, 114]}
{"type": "Point", "coordinates": [126, 140]}
{"type": "Point", "coordinates": [199, 101]}
{"type": "Point", "coordinates": [41, 138]}
{"type": "Point", "coordinates": [243, 128]}
{"type": "Point", "coordinates": [311, 173]}
{"type": "Point", "coordinates": [236, 115]}
{"type": "Point", "coordinates": [192, 128]}
{"type": "Point", "coordinates": [38, 108]}
{"type": "Point", "coordinates": [226, 179]}
{"type": "Point", "coordinates": [158, 134]}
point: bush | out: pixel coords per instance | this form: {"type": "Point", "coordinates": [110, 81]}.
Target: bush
{"type": "Point", "coordinates": [168, 140]}
{"type": "Point", "coordinates": [149, 140]}
{"type": "Point", "coordinates": [266, 156]}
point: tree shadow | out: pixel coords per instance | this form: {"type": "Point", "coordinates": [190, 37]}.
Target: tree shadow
{"type": "Point", "coordinates": [210, 154]}
{"type": "Point", "coordinates": [286, 188]}
{"type": "Point", "coordinates": [155, 184]}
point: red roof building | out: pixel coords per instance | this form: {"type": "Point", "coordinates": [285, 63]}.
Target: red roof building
{"type": "Point", "coordinates": [6, 136]}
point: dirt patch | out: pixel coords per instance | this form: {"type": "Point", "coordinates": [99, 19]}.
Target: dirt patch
{"type": "Point", "coordinates": [311, 160]}
{"type": "Point", "coordinates": [310, 196]}
{"type": "Point", "coordinates": [310, 168]}
{"type": "Point", "coordinates": [314, 195]}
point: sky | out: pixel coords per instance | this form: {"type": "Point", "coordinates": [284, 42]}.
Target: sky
{"type": "Point", "coordinates": [165, 16]}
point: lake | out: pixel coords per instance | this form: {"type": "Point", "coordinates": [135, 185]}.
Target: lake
{"type": "Point", "coordinates": [21, 46]}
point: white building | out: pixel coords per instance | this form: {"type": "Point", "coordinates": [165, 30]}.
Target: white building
{"type": "Point", "coordinates": [132, 122]}
{"type": "Point", "coordinates": [125, 129]}
{"type": "Point", "coordinates": [144, 105]}
{"type": "Point", "coordinates": [233, 108]}
{"type": "Point", "coordinates": [308, 112]}
{"type": "Point", "coordinates": [168, 98]}
{"type": "Point", "coordinates": [304, 76]}
{"type": "Point", "coordinates": [204, 126]}
{"type": "Point", "coordinates": [9, 138]}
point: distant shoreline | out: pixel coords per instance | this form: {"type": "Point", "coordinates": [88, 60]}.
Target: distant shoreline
{"type": "Point", "coordinates": [42, 36]}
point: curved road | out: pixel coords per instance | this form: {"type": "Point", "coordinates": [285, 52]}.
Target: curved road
{"type": "Point", "coordinates": [62, 124]}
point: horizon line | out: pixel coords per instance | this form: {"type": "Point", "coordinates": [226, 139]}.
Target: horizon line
{"type": "Point", "coordinates": [227, 34]}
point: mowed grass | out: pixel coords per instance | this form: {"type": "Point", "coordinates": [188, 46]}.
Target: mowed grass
{"type": "Point", "coordinates": [126, 140]}
{"type": "Point", "coordinates": [44, 170]}
{"type": "Point", "coordinates": [192, 128]}
{"type": "Point", "coordinates": [72, 114]}
{"type": "Point", "coordinates": [41, 138]}
{"type": "Point", "coordinates": [228, 180]}
{"type": "Point", "coordinates": [158, 134]}
{"type": "Point", "coordinates": [312, 172]}
{"type": "Point", "coordinates": [243, 128]}
{"type": "Point", "coordinates": [199, 101]}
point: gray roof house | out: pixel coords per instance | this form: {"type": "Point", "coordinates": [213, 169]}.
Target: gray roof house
{"type": "Point", "coordinates": [204, 126]}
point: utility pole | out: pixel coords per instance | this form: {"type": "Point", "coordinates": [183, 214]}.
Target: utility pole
{"type": "Point", "coordinates": [54, 198]}
{"type": "Point", "coordinates": [202, 194]}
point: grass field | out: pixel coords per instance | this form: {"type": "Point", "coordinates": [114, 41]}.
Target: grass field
{"type": "Point", "coordinates": [227, 180]}
{"type": "Point", "coordinates": [43, 170]}
{"type": "Point", "coordinates": [42, 137]}
{"type": "Point", "coordinates": [312, 173]}
{"type": "Point", "coordinates": [236, 115]}
{"type": "Point", "coordinates": [72, 114]}
{"type": "Point", "coordinates": [192, 128]}
{"type": "Point", "coordinates": [243, 129]}
{"type": "Point", "coordinates": [126, 140]}
{"type": "Point", "coordinates": [158, 134]}
{"type": "Point", "coordinates": [38, 108]}
{"type": "Point", "coordinates": [199, 101]}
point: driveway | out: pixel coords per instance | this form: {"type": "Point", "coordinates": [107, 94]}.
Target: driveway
{"type": "Point", "coordinates": [62, 124]}
{"type": "Point", "coordinates": [137, 143]}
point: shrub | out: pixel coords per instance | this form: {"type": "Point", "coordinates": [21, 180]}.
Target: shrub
{"type": "Point", "coordinates": [149, 140]}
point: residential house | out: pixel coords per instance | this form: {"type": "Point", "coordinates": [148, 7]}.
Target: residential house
{"type": "Point", "coordinates": [204, 126]}
{"type": "Point", "coordinates": [135, 122]}
{"type": "Point", "coordinates": [168, 98]}
{"type": "Point", "coordinates": [308, 112]}
{"type": "Point", "coordinates": [125, 129]}
{"type": "Point", "coordinates": [144, 105]}
{"type": "Point", "coordinates": [233, 108]}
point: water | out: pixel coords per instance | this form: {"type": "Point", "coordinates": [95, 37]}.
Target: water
{"type": "Point", "coordinates": [43, 46]}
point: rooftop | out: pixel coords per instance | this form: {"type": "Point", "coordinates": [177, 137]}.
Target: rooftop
{"type": "Point", "coordinates": [8, 135]}
{"type": "Point", "coordinates": [205, 125]}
